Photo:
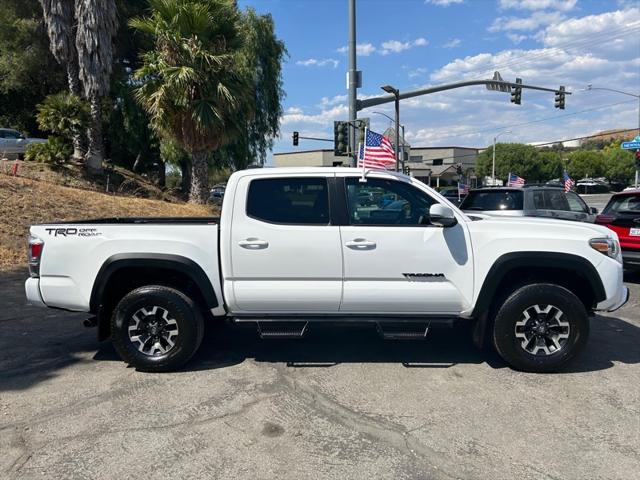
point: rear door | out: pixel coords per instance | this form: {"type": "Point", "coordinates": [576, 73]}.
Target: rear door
{"type": "Point", "coordinates": [395, 261]}
{"type": "Point", "coordinates": [285, 255]}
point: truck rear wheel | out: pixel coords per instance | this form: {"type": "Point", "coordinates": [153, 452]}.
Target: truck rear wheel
{"type": "Point", "coordinates": [540, 328]}
{"type": "Point", "coordinates": [156, 328]}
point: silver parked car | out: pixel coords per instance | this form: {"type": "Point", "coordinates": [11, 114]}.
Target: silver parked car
{"type": "Point", "coordinates": [13, 143]}
{"type": "Point", "coordinates": [529, 201]}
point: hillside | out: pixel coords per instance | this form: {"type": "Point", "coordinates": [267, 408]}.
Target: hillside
{"type": "Point", "coordinates": [24, 202]}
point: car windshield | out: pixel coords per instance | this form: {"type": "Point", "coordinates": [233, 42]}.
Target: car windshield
{"type": "Point", "coordinates": [493, 200]}
{"type": "Point", "coordinates": [623, 204]}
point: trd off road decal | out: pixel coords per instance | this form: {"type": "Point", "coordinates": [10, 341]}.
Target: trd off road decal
{"type": "Point", "coordinates": [73, 232]}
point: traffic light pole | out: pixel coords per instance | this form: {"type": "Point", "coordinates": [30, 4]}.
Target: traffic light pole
{"type": "Point", "coordinates": [352, 78]}
{"type": "Point", "coordinates": [372, 102]}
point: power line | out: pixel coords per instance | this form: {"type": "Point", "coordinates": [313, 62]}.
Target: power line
{"type": "Point", "coordinates": [465, 134]}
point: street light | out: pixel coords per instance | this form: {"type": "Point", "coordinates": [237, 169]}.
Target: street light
{"type": "Point", "coordinates": [493, 168]}
{"type": "Point", "coordinates": [591, 87]}
{"type": "Point", "coordinates": [396, 93]}
{"type": "Point", "coordinates": [401, 126]}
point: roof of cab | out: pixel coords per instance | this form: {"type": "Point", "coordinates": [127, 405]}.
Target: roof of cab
{"type": "Point", "coordinates": [314, 170]}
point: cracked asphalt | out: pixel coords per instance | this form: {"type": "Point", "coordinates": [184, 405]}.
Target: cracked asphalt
{"type": "Point", "coordinates": [338, 404]}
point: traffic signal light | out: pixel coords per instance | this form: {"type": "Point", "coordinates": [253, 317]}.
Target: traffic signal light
{"type": "Point", "coordinates": [516, 93]}
{"type": "Point", "coordinates": [638, 158]}
{"type": "Point", "coordinates": [341, 139]}
{"type": "Point", "coordinates": [560, 98]}
{"type": "Point", "coordinates": [296, 139]}
{"type": "Point", "coordinates": [459, 170]}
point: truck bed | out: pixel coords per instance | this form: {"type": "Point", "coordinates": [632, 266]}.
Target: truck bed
{"type": "Point", "coordinates": [145, 220]}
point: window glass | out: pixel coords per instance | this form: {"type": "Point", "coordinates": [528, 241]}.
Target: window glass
{"type": "Point", "coordinates": [556, 200]}
{"type": "Point", "coordinates": [576, 204]}
{"type": "Point", "coordinates": [386, 202]}
{"type": "Point", "coordinates": [297, 201]}
{"type": "Point", "coordinates": [538, 200]}
{"type": "Point", "coordinates": [437, 161]}
{"type": "Point", "coordinates": [623, 204]}
{"type": "Point", "coordinates": [493, 200]}
{"type": "Point", "coordinates": [12, 134]}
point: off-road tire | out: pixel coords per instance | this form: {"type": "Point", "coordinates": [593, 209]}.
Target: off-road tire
{"type": "Point", "coordinates": [182, 311]}
{"type": "Point", "coordinates": [511, 348]}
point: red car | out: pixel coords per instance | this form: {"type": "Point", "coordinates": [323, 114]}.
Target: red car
{"type": "Point", "coordinates": [622, 215]}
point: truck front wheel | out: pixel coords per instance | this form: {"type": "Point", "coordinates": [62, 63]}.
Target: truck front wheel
{"type": "Point", "coordinates": [540, 328]}
{"type": "Point", "coordinates": [156, 328]}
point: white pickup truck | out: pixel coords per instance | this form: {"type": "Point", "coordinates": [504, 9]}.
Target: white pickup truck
{"type": "Point", "coordinates": [296, 246]}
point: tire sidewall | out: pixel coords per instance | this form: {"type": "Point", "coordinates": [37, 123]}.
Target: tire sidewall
{"type": "Point", "coordinates": [509, 347]}
{"type": "Point", "coordinates": [180, 307]}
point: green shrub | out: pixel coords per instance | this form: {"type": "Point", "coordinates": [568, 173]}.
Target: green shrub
{"type": "Point", "coordinates": [64, 114]}
{"type": "Point", "coordinates": [54, 151]}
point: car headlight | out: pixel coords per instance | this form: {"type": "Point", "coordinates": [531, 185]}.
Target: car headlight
{"type": "Point", "coordinates": [608, 246]}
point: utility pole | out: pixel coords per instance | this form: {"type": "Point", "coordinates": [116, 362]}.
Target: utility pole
{"type": "Point", "coordinates": [396, 94]}
{"type": "Point", "coordinates": [352, 79]}
{"type": "Point", "coordinates": [493, 168]}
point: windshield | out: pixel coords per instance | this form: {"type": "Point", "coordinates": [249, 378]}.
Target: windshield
{"type": "Point", "coordinates": [623, 204]}
{"type": "Point", "coordinates": [493, 200]}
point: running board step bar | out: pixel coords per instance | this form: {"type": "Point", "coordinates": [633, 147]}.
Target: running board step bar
{"type": "Point", "coordinates": [282, 329]}
{"type": "Point", "coordinates": [403, 330]}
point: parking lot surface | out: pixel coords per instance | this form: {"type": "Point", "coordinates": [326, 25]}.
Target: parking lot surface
{"type": "Point", "coordinates": [340, 404]}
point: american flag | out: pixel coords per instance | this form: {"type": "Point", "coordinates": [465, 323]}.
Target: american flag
{"type": "Point", "coordinates": [463, 188]}
{"type": "Point", "coordinates": [377, 152]}
{"type": "Point", "coordinates": [515, 181]}
{"type": "Point", "coordinates": [568, 182]}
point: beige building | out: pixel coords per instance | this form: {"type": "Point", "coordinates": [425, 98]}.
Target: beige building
{"type": "Point", "coordinates": [436, 166]}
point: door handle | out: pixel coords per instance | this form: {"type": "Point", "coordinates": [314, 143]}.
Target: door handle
{"type": "Point", "coordinates": [360, 244]}
{"type": "Point", "coordinates": [253, 244]}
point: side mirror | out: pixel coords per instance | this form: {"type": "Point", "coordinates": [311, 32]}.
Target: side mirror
{"type": "Point", "coordinates": [442, 216]}
{"type": "Point", "coordinates": [593, 210]}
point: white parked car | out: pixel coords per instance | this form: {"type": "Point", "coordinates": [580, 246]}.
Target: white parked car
{"type": "Point", "coordinates": [295, 246]}
{"type": "Point", "coordinates": [13, 143]}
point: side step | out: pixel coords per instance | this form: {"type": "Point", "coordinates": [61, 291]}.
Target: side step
{"type": "Point", "coordinates": [403, 330]}
{"type": "Point", "coordinates": [283, 330]}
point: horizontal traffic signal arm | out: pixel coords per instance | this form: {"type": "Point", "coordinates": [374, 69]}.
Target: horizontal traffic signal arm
{"type": "Point", "coordinates": [372, 102]}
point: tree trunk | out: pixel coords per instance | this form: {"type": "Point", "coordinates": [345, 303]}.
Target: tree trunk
{"type": "Point", "coordinates": [185, 176]}
{"type": "Point", "coordinates": [162, 174]}
{"type": "Point", "coordinates": [199, 178]}
{"type": "Point", "coordinates": [95, 155]}
{"type": "Point", "coordinates": [79, 141]}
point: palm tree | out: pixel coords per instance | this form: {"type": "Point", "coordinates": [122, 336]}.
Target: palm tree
{"type": "Point", "coordinates": [96, 30]}
{"type": "Point", "coordinates": [189, 85]}
{"type": "Point", "coordinates": [59, 21]}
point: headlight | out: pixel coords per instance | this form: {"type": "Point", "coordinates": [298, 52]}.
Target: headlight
{"type": "Point", "coordinates": [609, 246]}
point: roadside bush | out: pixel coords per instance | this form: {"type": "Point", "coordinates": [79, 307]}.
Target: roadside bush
{"type": "Point", "coordinates": [54, 151]}
{"type": "Point", "coordinates": [64, 114]}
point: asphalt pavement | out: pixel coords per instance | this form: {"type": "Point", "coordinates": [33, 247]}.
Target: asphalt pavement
{"type": "Point", "coordinates": [338, 404]}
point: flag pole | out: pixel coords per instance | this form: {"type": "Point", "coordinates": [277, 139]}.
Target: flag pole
{"type": "Point", "coordinates": [363, 179]}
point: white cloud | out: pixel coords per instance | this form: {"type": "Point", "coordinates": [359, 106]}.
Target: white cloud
{"type": "Point", "coordinates": [330, 101]}
{"type": "Point", "coordinates": [390, 46]}
{"type": "Point", "coordinates": [443, 3]}
{"type": "Point", "coordinates": [454, 42]}
{"type": "Point", "coordinates": [325, 117]}
{"type": "Point", "coordinates": [418, 72]}
{"type": "Point", "coordinates": [562, 5]}
{"type": "Point", "coordinates": [362, 49]}
{"type": "Point", "coordinates": [515, 38]}
{"type": "Point", "coordinates": [532, 22]}
{"type": "Point", "coordinates": [318, 62]}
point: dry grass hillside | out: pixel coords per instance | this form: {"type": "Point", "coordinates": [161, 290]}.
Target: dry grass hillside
{"type": "Point", "coordinates": [24, 202]}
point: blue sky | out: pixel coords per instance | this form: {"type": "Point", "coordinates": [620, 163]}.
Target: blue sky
{"type": "Point", "coordinates": [415, 43]}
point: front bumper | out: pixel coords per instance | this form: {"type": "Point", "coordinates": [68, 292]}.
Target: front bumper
{"type": "Point", "coordinates": [631, 257]}
{"type": "Point", "coordinates": [32, 290]}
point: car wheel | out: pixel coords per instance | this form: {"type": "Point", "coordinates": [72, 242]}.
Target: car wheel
{"type": "Point", "coordinates": [156, 328]}
{"type": "Point", "coordinates": [540, 328]}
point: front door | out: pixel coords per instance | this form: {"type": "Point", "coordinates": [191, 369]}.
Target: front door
{"type": "Point", "coordinates": [285, 254]}
{"type": "Point", "coordinates": [395, 261]}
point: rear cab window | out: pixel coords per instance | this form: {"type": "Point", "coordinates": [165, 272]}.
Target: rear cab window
{"type": "Point", "coordinates": [289, 201]}
{"type": "Point", "coordinates": [493, 200]}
